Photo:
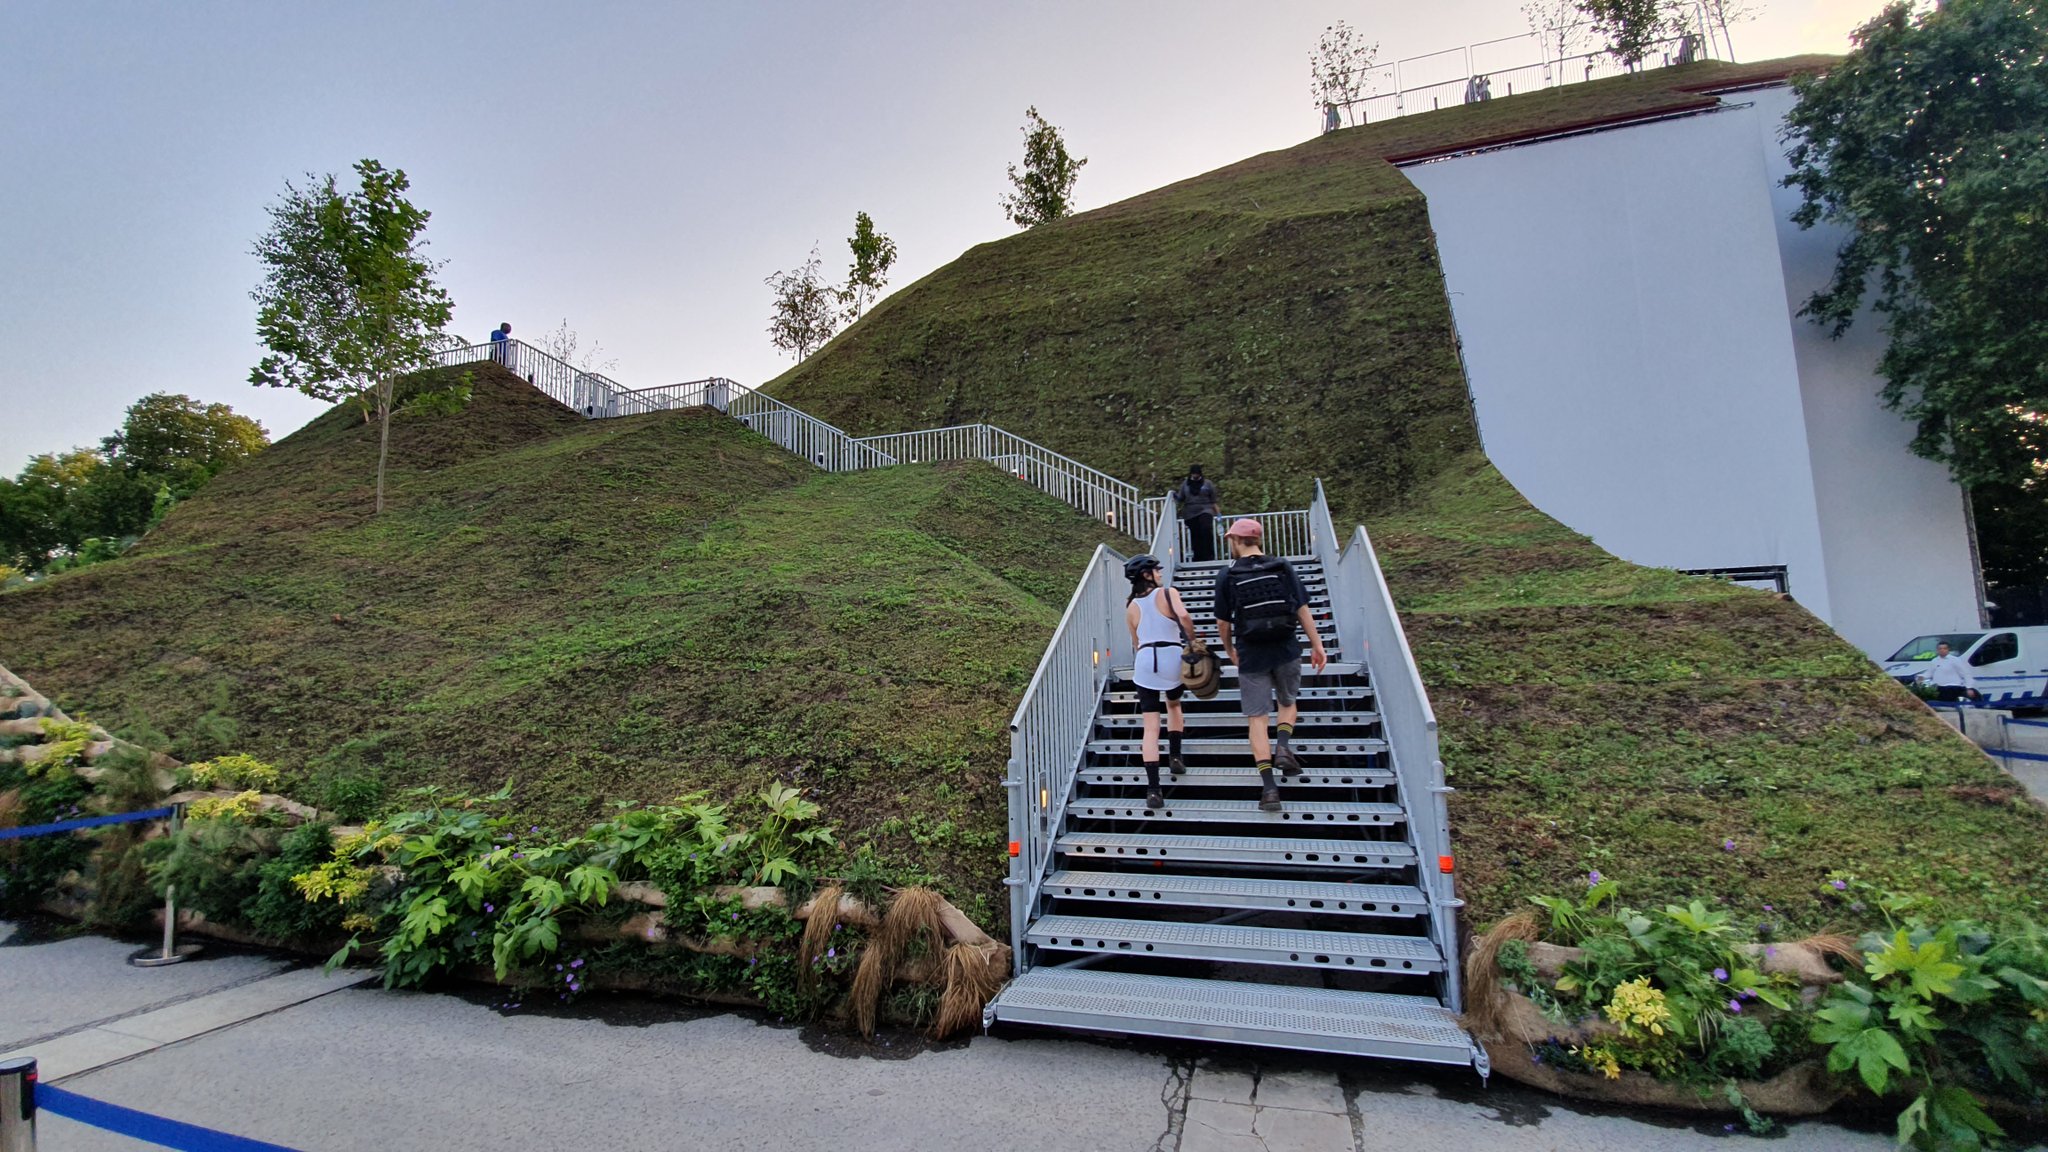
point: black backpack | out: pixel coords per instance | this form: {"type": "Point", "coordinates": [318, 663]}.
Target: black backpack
{"type": "Point", "coordinates": [1264, 613]}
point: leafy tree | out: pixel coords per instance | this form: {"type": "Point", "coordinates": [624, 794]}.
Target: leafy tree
{"type": "Point", "coordinates": [1045, 189]}
{"type": "Point", "coordinates": [1339, 67]}
{"type": "Point", "coordinates": [873, 255]}
{"type": "Point", "coordinates": [181, 442]}
{"type": "Point", "coordinates": [348, 304]}
{"type": "Point", "coordinates": [805, 313]}
{"type": "Point", "coordinates": [1929, 144]}
{"type": "Point", "coordinates": [1632, 27]}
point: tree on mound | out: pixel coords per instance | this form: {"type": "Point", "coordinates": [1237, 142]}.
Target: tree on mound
{"type": "Point", "coordinates": [348, 304]}
{"type": "Point", "coordinates": [1045, 189]}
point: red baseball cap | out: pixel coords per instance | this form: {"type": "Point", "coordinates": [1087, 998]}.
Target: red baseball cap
{"type": "Point", "coordinates": [1247, 528]}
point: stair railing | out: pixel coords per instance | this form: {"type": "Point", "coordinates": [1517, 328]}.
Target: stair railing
{"type": "Point", "coordinates": [1167, 537]}
{"type": "Point", "coordinates": [1370, 630]}
{"type": "Point", "coordinates": [591, 393]}
{"type": "Point", "coordinates": [1050, 730]}
{"type": "Point", "coordinates": [1097, 493]}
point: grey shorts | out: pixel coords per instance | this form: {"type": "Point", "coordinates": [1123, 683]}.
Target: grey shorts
{"type": "Point", "coordinates": [1264, 691]}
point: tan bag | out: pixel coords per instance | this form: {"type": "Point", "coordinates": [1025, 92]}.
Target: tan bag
{"type": "Point", "coordinates": [1199, 672]}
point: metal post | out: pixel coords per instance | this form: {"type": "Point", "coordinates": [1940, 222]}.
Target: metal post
{"type": "Point", "coordinates": [18, 1104]}
{"type": "Point", "coordinates": [173, 952]}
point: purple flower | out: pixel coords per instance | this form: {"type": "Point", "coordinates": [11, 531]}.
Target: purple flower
{"type": "Point", "coordinates": [1592, 878]}
{"type": "Point", "coordinates": [1770, 951]}
{"type": "Point", "coordinates": [1721, 974]}
{"type": "Point", "coordinates": [488, 908]}
{"type": "Point", "coordinates": [831, 952]}
{"type": "Point", "coordinates": [575, 987]}
{"type": "Point", "coordinates": [1839, 885]}
{"type": "Point", "coordinates": [735, 915]}
{"type": "Point", "coordinates": [1727, 845]}
{"type": "Point", "coordinates": [1768, 908]}
{"type": "Point", "coordinates": [576, 963]}
{"type": "Point", "coordinates": [519, 855]}
{"type": "Point", "coordinates": [1749, 993]}
{"type": "Point", "coordinates": [535, 828]}
{"type": "Point", "coordinates": [558, 967]}
{"type": "Point", "coordinates": [1735, 1005]}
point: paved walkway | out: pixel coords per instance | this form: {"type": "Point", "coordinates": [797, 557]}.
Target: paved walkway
{"type": "Point", "coordinates": [276, 1052]}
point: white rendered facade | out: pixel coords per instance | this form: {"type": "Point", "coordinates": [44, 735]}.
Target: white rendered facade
{"type": "Point", "coordinates": [1626, 303]}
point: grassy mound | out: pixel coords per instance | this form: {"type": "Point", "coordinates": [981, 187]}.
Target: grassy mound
{"type": "Point", "coordinates": [1284, 318]}
{"type": "Point", "coordinates": [610, 610]}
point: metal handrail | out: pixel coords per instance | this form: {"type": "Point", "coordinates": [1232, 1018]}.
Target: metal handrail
{"type": "Point", "coordinates": [591, 393]}
{"type": "Point", "coordinates": [1097, 493]}
{"type": "Point", "coordinates": [1049, 731]}
{"type": "Point", "coordinates": [1537, 70]}
{"type": "Point", "coordinates": [1369, 627]}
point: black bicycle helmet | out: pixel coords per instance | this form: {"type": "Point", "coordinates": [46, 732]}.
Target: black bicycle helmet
{"type": "Point", "coordinates": [1137, 566]}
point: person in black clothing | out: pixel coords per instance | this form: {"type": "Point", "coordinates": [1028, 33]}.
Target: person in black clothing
{"type": "Point", "coordinates": [1197, 498]}
{"type": "Point", "coordinates": [1259, 602]}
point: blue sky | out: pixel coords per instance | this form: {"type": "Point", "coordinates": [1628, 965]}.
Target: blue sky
{"type": "Point", "coordinates": [634, 168]}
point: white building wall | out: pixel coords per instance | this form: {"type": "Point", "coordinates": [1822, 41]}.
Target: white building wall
{"type": "Point", "coordinates": [1622, 314]}
{"type": "Point", "coordinates": [1626, 304]}
{"type": "Point", "coordinates": [1892, 524]}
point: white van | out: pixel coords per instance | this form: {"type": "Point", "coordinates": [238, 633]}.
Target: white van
{"type": "Point", "coordinates": [2010, 665]}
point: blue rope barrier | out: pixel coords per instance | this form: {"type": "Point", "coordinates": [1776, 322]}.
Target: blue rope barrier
{"type": "Point", "coordinates": [83, 822]}
{"type": "Point", "coordinates": [2027, 723]}
{"type": "Point", "coordinates": [2021, 755]}
{"type": "Point", "coordinates": [144, 1126]}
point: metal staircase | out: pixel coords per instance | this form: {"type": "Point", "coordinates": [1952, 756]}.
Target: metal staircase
{"type": "Point", "coordinates": [1326, 926]}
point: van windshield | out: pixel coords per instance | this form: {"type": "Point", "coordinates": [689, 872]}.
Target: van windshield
{"type": "Point", "coordinates": [1922, 647]}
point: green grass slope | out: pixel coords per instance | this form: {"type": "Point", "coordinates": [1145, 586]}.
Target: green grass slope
{"type": "Point", "coordinates": [608, 610]}
{"type": "Point", "coordinates": [1284, 318]}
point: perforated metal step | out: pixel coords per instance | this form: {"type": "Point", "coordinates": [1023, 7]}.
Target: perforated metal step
{"type": "Point", "coordinates": [1333, 672]}
{"type": "Point", "coordinates": [1309, 693]}
{"type": "Point", "coordinates": [1082, 848]}
{"type": "Point", "coordinates": [1320, 814]}
{"type": "Point", "coordinates": [1304, 720]}
{"type": "Point", "coordinates": [1240, 775]}
{"type": "Point", "coordinates": [1307, 1019]}
{"type": "Point", "coordinates": [1218, 746]}
{"type": "Point", "coordinates": [1243, 943]}
{"type": "Point", "coordinates": [1389, 900]}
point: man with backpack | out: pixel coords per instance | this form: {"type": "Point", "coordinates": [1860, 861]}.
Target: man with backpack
{"type": "Point", "coordinates": [1259, 602]}
{"type": "Point", "coordinates": [1197, 498]}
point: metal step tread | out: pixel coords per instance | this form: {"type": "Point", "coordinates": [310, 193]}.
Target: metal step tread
{"type": "Point", "coordinates": [1269, 1015]}
{"type": "Point", "coordinates": [1239, 892]}
{"type": "Point", "coordinates": [1233, 695]}
{"type": "Point", "coordinates": [1238, 776]}
{"type": "Point", "coordinates": [1284, 851]}
{"type": "Point", "coordinates": [1290, 946]}
{"type": "Point", "coordinates": [1230, 719]}
{"type": "Point", "coordinates": [1354, 814]}
{"type": "Point", "coordinates": [1210, 746]}
{"type": "Point", "coordinates": [1334, 668]}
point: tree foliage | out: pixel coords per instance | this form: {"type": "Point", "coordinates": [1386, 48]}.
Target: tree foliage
{"type": "Point", "coordinates": [1632, 27]}
{"type": "Point", "coordinates": [1045, 188]}
{"type": "Point", "coordinates": [805, 311]}
{"type": "Point", "coordinates": [1559, 25]}
{"type": "Point", "coordinates": [565, 345]}
{"type": "Point", "coordinates": [1928, 143]}
{"type": "Point", "coordinates": [1339, 68]}
{"type": "Point", "coordinates": [61, 503]}
{"type": "Point", "coordinates": [873, 255]}
{"type": "Point", "coordinates": [348, 302]}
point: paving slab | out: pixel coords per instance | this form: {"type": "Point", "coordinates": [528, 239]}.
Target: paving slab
{"type": "Point", "coordinates": [1214, 1126]}
{"type": "Point", "coordinates": [52, 987]}
{"type": "Point", "coordinates": [1289, 1130]}
{"type": "Point", "coordinates": [1302, 1091]}
{"type": "Point", "coordinates": [1225, 1085]}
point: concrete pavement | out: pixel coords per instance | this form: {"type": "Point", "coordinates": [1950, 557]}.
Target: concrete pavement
{"type": "Point", "coordinates": [362, 1068]}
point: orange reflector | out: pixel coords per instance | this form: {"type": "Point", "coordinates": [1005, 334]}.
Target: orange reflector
{"type": "Point", "coordinates": [1016, 849]}
{"type": "Point", "coordinates": [1443, 863]}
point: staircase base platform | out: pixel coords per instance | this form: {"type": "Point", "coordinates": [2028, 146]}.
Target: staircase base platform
{"type": "Point", "coordinates": [1265, 1015]}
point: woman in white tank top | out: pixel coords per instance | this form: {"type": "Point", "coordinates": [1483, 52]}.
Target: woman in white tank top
{"type": "Point", "coordinates": [1158, 620]}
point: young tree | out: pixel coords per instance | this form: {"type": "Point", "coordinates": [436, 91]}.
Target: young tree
{"type": "Point", "coordinates": [873, 254]}
{"type": "Point", "coordinates": [1632, 27]}
{"type": "Point", "coordinates": [1722, 13]}
{"type": "Point", "coordinates": [1045, 189]}
{"type": "Point", "coordinates": [1558, 25]}
{"type": "Point", "coordinates": [1926, 142]}
{"type": "Point", "coordinates": [348, 303]}
{"type": "Point", "coordinates": [1339, 67]}
{"type": "Point", "coordinates": [564, 345]}
{"type": "Point", "coordinates": [805, 314]}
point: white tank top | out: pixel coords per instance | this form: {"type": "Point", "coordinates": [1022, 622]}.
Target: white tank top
{"type": "Point", "coordinates": [1158, 667]}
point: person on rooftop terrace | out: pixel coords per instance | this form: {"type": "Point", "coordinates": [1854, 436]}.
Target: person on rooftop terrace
{"type": "Point", "coordinates": [1259, 602]}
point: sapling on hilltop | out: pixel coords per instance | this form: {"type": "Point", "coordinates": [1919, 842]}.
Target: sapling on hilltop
{"type": "Point", "coordinates": [348, 304]}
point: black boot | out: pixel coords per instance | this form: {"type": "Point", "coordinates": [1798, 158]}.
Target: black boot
{"type": "Point", "coordinates": [1154, 800]}
{"type": "Point", "coordinates": [1269, 798]}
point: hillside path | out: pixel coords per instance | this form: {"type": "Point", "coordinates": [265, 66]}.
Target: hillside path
{"type": "Point", "coordinates": [271, 1051]}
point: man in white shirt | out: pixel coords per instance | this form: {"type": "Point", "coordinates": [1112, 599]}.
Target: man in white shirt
{"type": "Point", "coordinates": [1950, 675]}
